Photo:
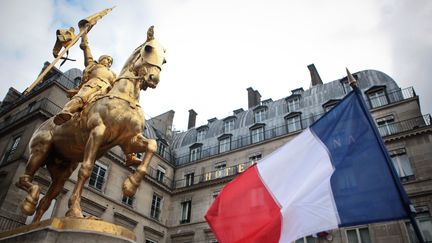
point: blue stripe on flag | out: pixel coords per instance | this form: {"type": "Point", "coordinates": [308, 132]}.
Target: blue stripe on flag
{"type": "Point", "coordinates": [363, 183]}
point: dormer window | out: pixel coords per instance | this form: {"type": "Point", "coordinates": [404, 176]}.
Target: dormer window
{"type": "Point", "coordinates": [330, 104]}
{"type": "Point", "coordinates": [257, 133]}
{"type": "Point", "coordinates": [293, 121]}
{"type": "Point", "coordinates": [377, 96]}
{"type": "Point", "coordinates": [224, 143]}
{"type": "Point", "coordinates": [229, 124]}
{"type": "Point", "coordinates": [293, 102]}
{"type": "Point", "coordinates": [201, 133]}
{"type": "Point", "coordinates": [195, 152]}
{"type": "Point", "coordinates": [345, 85]}
{"type": "Point", "coordinates": [260, 113]}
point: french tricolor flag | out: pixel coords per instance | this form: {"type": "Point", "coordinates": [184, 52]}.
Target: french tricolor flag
{"type": "Point", "coordinates": [335, 173]}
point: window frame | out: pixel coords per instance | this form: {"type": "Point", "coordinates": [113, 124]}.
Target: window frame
{"type": "Point", "coordinates": [377, 96]}
{"type": "Point", "coordinates": [160, 173]}
{"type": "Point", "coordinates": [257, 133]}
{"type": "Point", "coordinates": [260, 114]}
{"type": "Point", "coordinates": [189, 179]}
{"type": "Point", "coordinates": [186, 208]}
{"type": "Point", "coordinates": [128, 201]}
{"type": "Point", "coordinates": [358, 235]}
{"type": "Point", "coordinates": [224, 143]}
{"type": "Point", "coordinates": [11, 149]}
{"type": "Point", "coordinates": [99, 166]}
{"type": "Point", "coordinates": [296, 125]}
{"type": "Point", "coordinates": [195, 152]}
{"type": "Point", "coordinates": [398, 164]}
{"type": "Point", "coordinates": [156, 205]}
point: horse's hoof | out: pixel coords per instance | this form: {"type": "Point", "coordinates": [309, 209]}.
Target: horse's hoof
{"type": "Point", "coordinates": [129, 187]}
{"type": "Point", "coordinates": [62, 117]}
{"type": "Point", "coordinates": [28, 206]}
{"type": "Point", "coordinates": [74, 213]}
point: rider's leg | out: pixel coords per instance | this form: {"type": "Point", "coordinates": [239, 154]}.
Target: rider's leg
{"type": "Point", "coordinates": [75, 104]}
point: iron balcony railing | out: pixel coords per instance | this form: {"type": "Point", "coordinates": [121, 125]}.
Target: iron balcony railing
{"type": "Point", "coordinates": [404, 126]}
{"type": "Point", "coordinates": [390, 97]}
{"type": "Point", "coordinates": [162, 178]}
{"type": "Point", "coordinates": [212, 175]}
{"type": "Point", "coordinates": [285, 128]}
{"type": "Point", "coordinates": [45, 105]}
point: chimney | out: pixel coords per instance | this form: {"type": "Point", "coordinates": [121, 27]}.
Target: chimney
{"type": "Point", "coordinates": [192, 119]}
{"type": "Point", "coordinates": [254, 97]}
{"type": "Point", "coordinates": [315, 78]}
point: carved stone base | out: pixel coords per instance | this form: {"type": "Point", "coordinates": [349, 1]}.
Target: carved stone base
{"type": "Point", "coordinates": [69, 230]}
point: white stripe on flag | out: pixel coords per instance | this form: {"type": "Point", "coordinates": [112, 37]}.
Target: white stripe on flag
{"type": "Point", "coordinates": [298, 176]}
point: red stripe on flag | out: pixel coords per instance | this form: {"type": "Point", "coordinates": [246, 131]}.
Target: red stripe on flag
{"type": "Point", "coordinates": [245, 212]}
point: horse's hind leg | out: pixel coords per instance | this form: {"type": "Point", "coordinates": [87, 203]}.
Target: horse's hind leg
{"type": "Point", "coordinates": [59, 175]}
{"type": "Point", "coordinates": [139, 144]}
{"type": "Point", "coordinates": [39, 149]}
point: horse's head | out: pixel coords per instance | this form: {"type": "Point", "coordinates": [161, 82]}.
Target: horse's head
{"type": "Point", "coordinates": [146, 61]}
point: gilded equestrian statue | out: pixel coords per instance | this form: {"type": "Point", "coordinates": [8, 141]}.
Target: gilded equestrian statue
{"type": "Point", "coordinates": [108, 120]}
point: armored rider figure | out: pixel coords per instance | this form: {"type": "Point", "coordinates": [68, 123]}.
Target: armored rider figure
{"type": "Point", "coordinates": [97, 79]}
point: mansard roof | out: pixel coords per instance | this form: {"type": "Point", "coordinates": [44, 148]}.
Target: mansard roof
{"type": "Point", "coordinates": [311, 104]}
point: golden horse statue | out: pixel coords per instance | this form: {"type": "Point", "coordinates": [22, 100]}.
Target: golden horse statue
{"type": "Point", "coordinates": [109, 120]}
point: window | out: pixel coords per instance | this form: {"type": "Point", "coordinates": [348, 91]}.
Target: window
{"type": "Point", "coordinates": [189, 178]}
{"type": "Point", "coordinates": [195, 152]}
{"type": "Point", "coordinates": [257, 134]}
{"type": "Point", "coordinates": [220, 168]}
{"type": "Point", "coordinates": [293, 104]}
{"type": "Point", "coordinates": [161, 148]}
{"type": "Point", "coordinates": [224, 144]}
{"type": "Point", "coordinates": [97, 177]}
{"type": "Point", "coordinates": [160, 173]}
{"type": "Point", "coordinates": [330, 104]}
{"type": "Point", "coordinates": [11, 150]}
{"type": "Point", "coordinates": [424, 221]}
{"type": "Point", "coordinates": [307, 239]}
{"type": "Point", "coordinates": [377, 98]}
{"type": "Point", "coordinates": [155, 206]}
{"type": "Point", "coordinates": [128, 201]}
{"type": "Point", "coordinates": [260, 115]}
{"type": "Point", "coordinates": [185, 212]}
{"type": "Point", "coordinates": [293, 123]}
{"type": "Point", "coordinates": [229, 125]}
{"type": "Point", "coordinates": [201, 134]}
{"type": "Point", "coordinates": [358, 235]}
{"type": "Point", "coordinates": [402, 164]}
{"type": "Point", "coordinates": [255, 157]}
{"type": "Point", "coordinates": [386, 125]}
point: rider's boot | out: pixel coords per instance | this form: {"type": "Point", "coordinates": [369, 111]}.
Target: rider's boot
{"type": "Point", "coordinates": [71, 107]}
{"type": "Point", "coordinates": [132, 159]}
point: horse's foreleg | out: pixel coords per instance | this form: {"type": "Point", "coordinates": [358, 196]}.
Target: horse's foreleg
{"type": "Point", "coordinates": [93, 143]}
{"type": "Point", "coordinates": [38, 155]}
{"type": "Point", "coordinates": [149, 146]}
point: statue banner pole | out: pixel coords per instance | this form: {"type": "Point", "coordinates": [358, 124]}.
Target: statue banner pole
{"type": "Point", "coordinates": [85, 26]}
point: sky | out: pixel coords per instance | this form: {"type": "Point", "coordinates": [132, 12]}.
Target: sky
{"type": "Point", "coordinates": [216, 49]}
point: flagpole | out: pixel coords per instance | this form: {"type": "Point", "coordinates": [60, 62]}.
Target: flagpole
{"type": "Point", "coordinates": [404, 197]}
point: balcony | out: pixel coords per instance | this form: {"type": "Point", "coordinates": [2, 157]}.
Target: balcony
{"type": "Point", "coordinates": [392, 96]}
{"type": "Point", "coordinates": [405, 126]}
{"type": "Point", "coordinates": [288, 128]}
{"type": "Point", "coordinates": [212, 175]}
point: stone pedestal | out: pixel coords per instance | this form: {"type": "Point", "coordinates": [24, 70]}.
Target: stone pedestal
{"type": "Point", "coordinates": [69, 230]}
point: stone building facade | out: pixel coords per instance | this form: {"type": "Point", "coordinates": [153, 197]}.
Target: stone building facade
{"type": "Point", "coordinates": [191, 167]}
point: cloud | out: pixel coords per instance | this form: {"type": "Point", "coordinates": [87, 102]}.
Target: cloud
{"type": "Point", "coordinates": [217, 49]}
